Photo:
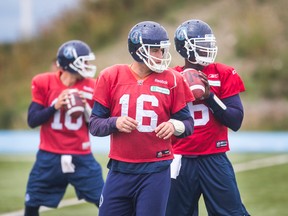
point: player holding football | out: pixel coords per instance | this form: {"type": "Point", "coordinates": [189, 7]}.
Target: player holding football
{"type": "Point", "coordinates": [201, 165]}
{"type": "Point", "coordinates": [64, 155]}
{"type": "Point", "coordinates": [141, 105]}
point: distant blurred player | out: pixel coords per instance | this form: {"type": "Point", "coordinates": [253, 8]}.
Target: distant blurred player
{"type": "Point", "coordinates": [64, 155]}
{"type": "Point", "coordinates": [141, 105]}
{"type": "Point", "coordinates": [201, 165]}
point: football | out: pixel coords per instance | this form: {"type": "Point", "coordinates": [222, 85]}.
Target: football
{"type": "Point", "coordinates": [75, 105]}
{"type": "Point", "coordinates": [195, 83]}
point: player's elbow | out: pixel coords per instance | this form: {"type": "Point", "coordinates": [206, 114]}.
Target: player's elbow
{"type": "Point", "coordinates": [32, 121]}
{"type": "Point", "coordinates": [32, 126]}
{"type": "Point", "coordinates": [235, 128]}
{"type": "Point", "coordinates": [189, 127]}
{"type": "Point", "coordinates": [236, 124]}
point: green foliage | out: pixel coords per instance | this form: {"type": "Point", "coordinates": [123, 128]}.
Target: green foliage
{"type": "Point", "coordinates": [271, 79]}
{"type": "Point", "coordinates": [98, 23]}
{"type": "Point", "coordinates": [262, 38]}
{"type": "Point", "coordinates": [259, 39]}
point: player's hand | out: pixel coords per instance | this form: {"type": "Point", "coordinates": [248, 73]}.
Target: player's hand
{"type": "Point", "coordinates": [204, 79]}
{"type": "Point", "coordinates": [165, 130]}
{"type": "Point", "coordinates": [62, 99]}
{"type": "Point", "coordinates": [82, 97]}
{"type": "Point", "coordinates": [126, 124]}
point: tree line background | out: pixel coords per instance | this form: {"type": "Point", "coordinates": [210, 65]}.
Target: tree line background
{"type": "Point", "coordinates": [252, 36]}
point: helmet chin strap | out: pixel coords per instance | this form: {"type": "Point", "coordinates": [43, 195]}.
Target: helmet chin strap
{"type": "Point", "coordinates": [188, 57]}
{"type": "Point", "coordinates": [196, 62]}
{"type": "Point", "coordinates": [194, 65]}
{"type": "Point", "coordinates": [192, 62]}
{"type": "Point", "coordinates": [187, 44]}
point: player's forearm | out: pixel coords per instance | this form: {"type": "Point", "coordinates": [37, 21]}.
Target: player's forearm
{"type": "Point", "coordinates": [185, 117]}
{"type": "Point", "coordinates": [102, 126]}
{"type": "Point", "coordinates": [189, 127]}
{"type": "Point", "coordinates": [38, 114]}
{"type": "Point", "coordinates": [228, 111]}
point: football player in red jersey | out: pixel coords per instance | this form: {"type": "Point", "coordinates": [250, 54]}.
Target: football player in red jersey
{"type": "Point", "coordinates": [141, 105]}
{"type": "Point", "coordinates": [64, 156]}
{"type": "Point", "coordinates": [201, 165]}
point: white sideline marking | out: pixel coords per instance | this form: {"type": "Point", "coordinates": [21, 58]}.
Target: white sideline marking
{"type": "Point", "coordinates": [241, 167]}
{"type": "Point", "coordinates": [63, 203]}
{"type": "Point", "coordinates": [261, 163]}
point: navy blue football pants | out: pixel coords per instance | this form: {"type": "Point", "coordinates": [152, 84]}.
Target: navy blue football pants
{"type": "Point", "coordinates": [213, 177]}
{"type": "Point", "coordinates": [135, 194]}
{"type": "Point", "coordinates": [47, 183]}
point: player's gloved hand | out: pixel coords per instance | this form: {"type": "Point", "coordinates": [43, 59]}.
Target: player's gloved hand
{"type": "Point", "coordinates": [204, 79]}
{"type": "Point", "coordinates": [165, 130]}
{"type": "Point", "coordinates": [126, 124]}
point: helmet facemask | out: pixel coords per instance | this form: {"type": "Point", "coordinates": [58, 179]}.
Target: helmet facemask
{"type": "Point", "coordinates": [81, 66]}
{"type": "Point", "coordinates": [155, 64]}
{"type": "Point", "coordinates": [204, 49]}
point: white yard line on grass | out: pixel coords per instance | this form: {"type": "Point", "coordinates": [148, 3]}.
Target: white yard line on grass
{"type": "Point", "coordinates": [241, 167]}
{"type": "Point", "coordinates": [64, 203]}
{"type": "Point", "coordinates": [261, 163]}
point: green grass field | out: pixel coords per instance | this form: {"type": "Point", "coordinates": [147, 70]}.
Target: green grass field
{"type": "Point", "coordinates": [263, 189]}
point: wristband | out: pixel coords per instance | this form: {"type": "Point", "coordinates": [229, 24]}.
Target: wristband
{"type": "Point", "coordinates": [178, 126]}
{"type": "Point", "coordinates": [219, 102]}
{"type": "Point", "coordinates": [215, 104]}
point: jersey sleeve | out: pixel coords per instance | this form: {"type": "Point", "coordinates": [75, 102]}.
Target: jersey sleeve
{"type": "Point", "coordinates": [38, 90]}
{"type": "Point", "coordinates": [102, 88]}
{"type": "Point", "coordinates": [232, 83]}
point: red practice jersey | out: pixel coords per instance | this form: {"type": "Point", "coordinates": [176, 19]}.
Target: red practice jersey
{"type": "Point", "coordinates": [210, 136]}
{"type": "Point", "coordinates": [150, 101]}
{"type": "Point", "coordinates": [61, 133]}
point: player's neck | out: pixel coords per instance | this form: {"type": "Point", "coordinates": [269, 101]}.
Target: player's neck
{"type": "Point", "coordinates": [68, 79]}
{"type": "Point", "coordinates": [194, 66]}
{"type": "Point", "coordinates": [140, 70]}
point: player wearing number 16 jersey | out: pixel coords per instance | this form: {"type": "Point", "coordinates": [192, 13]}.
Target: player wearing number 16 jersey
{"type": "Point", "coordinates": [64, 154]}
{"type": "Point", "coordinates": [201, 166]}
{"type": "Point", "coordinates": [141, 105]}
